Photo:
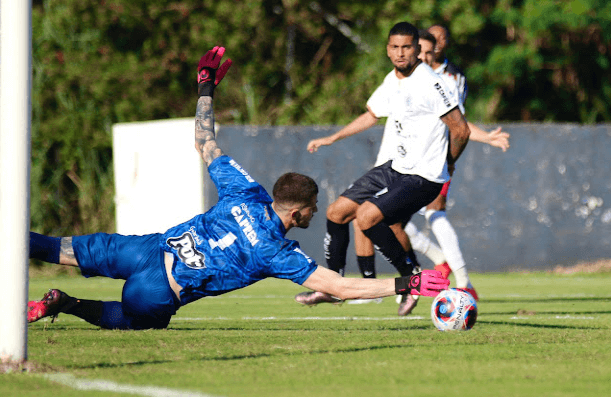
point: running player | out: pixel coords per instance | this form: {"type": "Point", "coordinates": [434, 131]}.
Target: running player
{"type": "Point", "coordinates": [420, 109]}
{"type": "Point", "coordinates": [238, 242]}
{"type": "Point", "coordinates": [435, 44]}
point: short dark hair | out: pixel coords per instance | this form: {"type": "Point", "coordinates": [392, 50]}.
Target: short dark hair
{"type": "Point", "coordinates": [446, 31]}
{"type": "Point", "coordinates": [404, 29]}
{"type": "Point", "coordinates": [425, 35]}
{"type": "Point", "coordinates": [294, 188]}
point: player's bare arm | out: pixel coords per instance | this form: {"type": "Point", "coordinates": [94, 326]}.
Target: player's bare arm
{"type": "Point", "coordinates": [496, 138]}
{"type": "Point", "coordinates": [427, 283]}
{"type": "Point", "coordinates": [360, 124]}
{"type": "Point", "coordinates": [209, 75]}
{"type": "Point", "coordinates": [205, 138]}
{"type": "Point", "coordinates": [459, 133]}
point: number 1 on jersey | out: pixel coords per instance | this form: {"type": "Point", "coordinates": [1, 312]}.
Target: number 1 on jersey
{"type": "Point", "coordinates": [224, 242]}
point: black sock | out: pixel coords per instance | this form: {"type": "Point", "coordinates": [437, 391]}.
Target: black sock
{"type": "Point", "coordinates": [336, 246]}
{"type": "Point", "coordinates": [44, 248]}
{"type": "Point", "coordinates": [411, 260]}
{"type": "Point", "coordinates": [88, 310]}
{"type": "Point", "coordinates": [384, 239]}
{"type": "Point", "coordinates": [367, 265]}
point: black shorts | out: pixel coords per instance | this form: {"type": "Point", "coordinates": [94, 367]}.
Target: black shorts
{"type": "Point", "coordinates": [398, 196]}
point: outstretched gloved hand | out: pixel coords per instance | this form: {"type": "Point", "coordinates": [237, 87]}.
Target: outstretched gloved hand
{"type": "Point", "coordinates": [209, 74]}
{"type": "Point", "coordinates": [426, 283]}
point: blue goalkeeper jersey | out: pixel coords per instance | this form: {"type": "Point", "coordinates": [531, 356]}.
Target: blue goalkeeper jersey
{"type": "Point", "coordinates": [236, 243]}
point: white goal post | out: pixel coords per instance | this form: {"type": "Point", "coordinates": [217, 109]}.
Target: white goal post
{"type": "Point", "coordinates": [15, 123]}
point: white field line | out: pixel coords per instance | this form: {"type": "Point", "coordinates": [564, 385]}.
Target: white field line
{"type": "Point", "coordinates": [105, 385]}
{"type": "Point", "coordinates": [273, 318]}
{"type": "Point", "coordinates": [396, 318]}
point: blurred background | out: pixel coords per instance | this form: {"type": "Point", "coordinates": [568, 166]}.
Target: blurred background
{"type": "Point", "coordinates": [536, 67]}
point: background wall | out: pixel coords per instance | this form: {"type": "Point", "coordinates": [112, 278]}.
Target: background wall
{"type": "Point", "coordinates": [546, 201]}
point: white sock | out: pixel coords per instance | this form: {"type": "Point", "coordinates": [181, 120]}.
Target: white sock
{"type": "Point", "coordinates": [448, 240]}
{"type": "Point", "coordinates": [421, 243]}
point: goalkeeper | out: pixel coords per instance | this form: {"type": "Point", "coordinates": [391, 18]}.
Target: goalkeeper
{"type": "Point", "coordinates": [238, 242]}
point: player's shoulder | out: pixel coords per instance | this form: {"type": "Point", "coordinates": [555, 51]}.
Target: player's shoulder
{"type": "Point", "coordinates": [424, 76]}
{"type": "Point", "coordinates": [291, 248]}
{"type": "Point", "coordinates": [453, 69]}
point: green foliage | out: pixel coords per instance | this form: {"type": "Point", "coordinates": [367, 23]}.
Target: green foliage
{"type": "Point", "coordinates": [101, 62]}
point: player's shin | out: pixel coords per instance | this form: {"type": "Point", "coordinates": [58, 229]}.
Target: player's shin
{"type": "Point", "coordinates": [384, 239]}
{"type": "Point", "coordinates": [367, 266]}
{"type": "Point", "coordinates": [336, 246]}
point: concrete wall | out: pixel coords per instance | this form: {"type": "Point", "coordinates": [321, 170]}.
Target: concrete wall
{"type": "Point", "coordinates": [546, 201]}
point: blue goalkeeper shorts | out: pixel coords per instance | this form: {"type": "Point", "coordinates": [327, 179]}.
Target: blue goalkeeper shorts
{"type": "Point", "coordinates": [147, 300]}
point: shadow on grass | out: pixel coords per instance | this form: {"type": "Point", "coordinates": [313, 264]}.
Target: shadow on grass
{"type": "Point", "coordinates": [244, 356]}
{"type": "Point", "coordinates": [543, 300]}
{"type": "Point", "coordinates": [535, 325]}
{"type": "Point", "coordinates": [548, 313]}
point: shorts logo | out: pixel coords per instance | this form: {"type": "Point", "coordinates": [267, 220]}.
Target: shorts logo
{"type": "Point", "coordinates": [381, 192]}
{"type": "Point", "coordinates": [188, 254]}
{"type": "Point", "coordinates": [446, 101]}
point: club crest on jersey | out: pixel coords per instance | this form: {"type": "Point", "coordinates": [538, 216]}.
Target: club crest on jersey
{"type": "Point", "coordinates": [441, 91]}
{"type": "Point", "coordinates": [188, 254]}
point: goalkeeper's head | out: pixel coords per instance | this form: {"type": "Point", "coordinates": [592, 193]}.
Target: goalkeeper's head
{"type": "Point", "coordinates": [295, 197]}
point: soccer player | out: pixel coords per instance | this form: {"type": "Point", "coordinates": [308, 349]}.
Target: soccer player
{"type": "Point", "coordinates": [435, 212]}
{"type": "Point", "coordinates": [434, 45]}
{"type": "Point", "coordinates": [238, 242]}
{"type": "Point", "coordinates": [420, 109]}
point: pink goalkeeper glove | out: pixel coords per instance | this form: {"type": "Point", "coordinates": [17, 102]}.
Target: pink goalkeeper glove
{"type": "Point", "coordinates": [209, 74]}
{"type": "Point", "coordinates": [426, 283]}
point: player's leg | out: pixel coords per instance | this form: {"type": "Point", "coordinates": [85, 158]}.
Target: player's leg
{"type": "Point", "coordinates": [365, 259]}
{"type": "Point", "coordinates": [365, 253]}
{"type": "Point", "coordinates": [448, 241]}
{"type": "Point", "coordinates": [337, 238]}
{"type": "Point", "coordinates": [403, 196]}
{"type": "Point", "coordinates": [423, 244]}
{"type": "Point", "coordinates": [123, 257]}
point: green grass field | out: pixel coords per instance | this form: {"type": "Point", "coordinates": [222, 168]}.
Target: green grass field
{"type": "Point", "coordinates": [537, 334]}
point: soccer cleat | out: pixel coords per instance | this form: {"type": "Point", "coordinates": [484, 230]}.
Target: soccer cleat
{"type": "Point", "coordinates": [50, 305]}
{"type": "Point", "coordinates": [445, 270]}
{"type": "Point", "coordinates": [313, 298]}
{"type": "Point", "coordinates": [407, 304]}
{"type": "Point", "coordinates": [470, 291]}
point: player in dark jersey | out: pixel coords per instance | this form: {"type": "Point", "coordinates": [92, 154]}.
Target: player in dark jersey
{"type": "Point", "coordinates": [238, 242]}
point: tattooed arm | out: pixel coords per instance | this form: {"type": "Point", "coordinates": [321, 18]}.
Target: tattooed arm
{"type": "Point", "coordinates": [66, 252]}
{"type": "Point", "coordinates": [205, 137]}
{"type": "Point", "coordinates": [459, 134]}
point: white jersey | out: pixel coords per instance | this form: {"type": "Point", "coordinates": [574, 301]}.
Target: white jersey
{"type": "Point", "coordinates": [452, 75]}
{"type": "Point", "coordinates": [415, 138]}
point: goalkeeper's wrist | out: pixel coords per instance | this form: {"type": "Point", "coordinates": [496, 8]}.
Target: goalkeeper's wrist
{"type": "Point", "coordinates": [205, 89]}
{"type": "Point", "coordinates": [402, 285]}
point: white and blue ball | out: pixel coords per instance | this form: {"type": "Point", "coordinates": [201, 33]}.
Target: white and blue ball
{"type": "Point", "coordinates": [454, 310]}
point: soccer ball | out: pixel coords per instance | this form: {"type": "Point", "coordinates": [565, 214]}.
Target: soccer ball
{"type": "Point", "coordinates": [454, 310]}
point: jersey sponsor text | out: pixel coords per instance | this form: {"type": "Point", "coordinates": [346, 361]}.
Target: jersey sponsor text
{"type": "Point", "coordinates": [245, 224]}
{"type": "Point", "coordinates": [188, 254]}
{"type": "Point", "coordinates": [241, 170]}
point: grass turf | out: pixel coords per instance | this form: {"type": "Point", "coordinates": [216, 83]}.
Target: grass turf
{"type": "Point", "coordinates": [538, 334]}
